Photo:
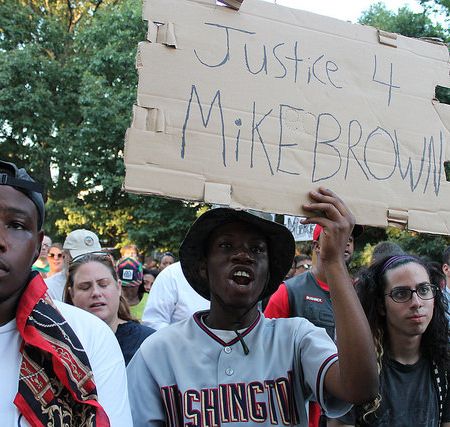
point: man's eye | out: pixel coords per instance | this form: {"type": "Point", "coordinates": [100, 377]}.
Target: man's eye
{"type": "Point", "coordinates": [424, 290]}
{"type": "Point", "coordinates": [258, 249]}
{"type": "Point", "coordinates": [401, 293]}
{"type": "Point", "coordinates": [17, 225]}
{"type": "Point", "coordinates": [225, 245]}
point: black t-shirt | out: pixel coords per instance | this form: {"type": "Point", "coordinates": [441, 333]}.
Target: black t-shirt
{"type": "Point", "coordinates": [409, 397]}
{"type": "Point", "coordinates": [130, 336]}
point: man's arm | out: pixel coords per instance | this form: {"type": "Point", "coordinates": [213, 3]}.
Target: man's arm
{"type": "Point", "coordinates": [354, 377]}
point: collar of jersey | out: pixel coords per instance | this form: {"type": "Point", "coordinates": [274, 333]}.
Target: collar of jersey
{"type": "Point", "coordinates": [198, 319]}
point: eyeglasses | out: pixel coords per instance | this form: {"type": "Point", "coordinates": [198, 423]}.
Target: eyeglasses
{"type": "Point", "coordinates": [57, 256]}
{"type": "Point", "coordinates": [305, 266]}
{"type": "Point", "coordinates": [424, 291]}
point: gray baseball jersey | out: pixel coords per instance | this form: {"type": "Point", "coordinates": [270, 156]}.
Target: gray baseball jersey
{"type": "Point", "coordinates": [187, 375]}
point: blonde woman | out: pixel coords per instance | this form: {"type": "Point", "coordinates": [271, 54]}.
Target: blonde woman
{"type": "Point", "coordinates": [93, 285]}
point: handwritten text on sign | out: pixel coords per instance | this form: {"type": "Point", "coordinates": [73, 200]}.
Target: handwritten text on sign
{"type": "Point", "coordinates": [343, 140]}
{"type": "Point", "coordinates": [252, 109]}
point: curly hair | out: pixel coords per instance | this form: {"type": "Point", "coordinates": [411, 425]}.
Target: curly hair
{"type": "Point", "coordinates": [371, 289]}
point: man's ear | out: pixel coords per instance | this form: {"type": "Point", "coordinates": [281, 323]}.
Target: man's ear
{"type": "Point", "coordinates": [446, 269]}
{"type": "Point", "coordinates": [37, 251]}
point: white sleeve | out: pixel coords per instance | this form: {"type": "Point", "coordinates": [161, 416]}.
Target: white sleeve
{"type": "Point", "coordinates": [161, 301]}
{"type": "Point", "coordinates": [317, 353]}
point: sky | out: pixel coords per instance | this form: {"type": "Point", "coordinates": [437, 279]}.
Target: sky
{"type": "Point", "coordinates": [347, 10]}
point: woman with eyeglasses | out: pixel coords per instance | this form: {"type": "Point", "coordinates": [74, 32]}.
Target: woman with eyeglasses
{"type": "Point", "coordinates": [93, 285]}
{"type": "Point", "coordinates": [407, 317]}
{"type": "Point", "coordinates": [55, 257]}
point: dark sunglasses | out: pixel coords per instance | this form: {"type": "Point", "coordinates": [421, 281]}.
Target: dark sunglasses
{"type": "Point", "coordinates": [57, 256]}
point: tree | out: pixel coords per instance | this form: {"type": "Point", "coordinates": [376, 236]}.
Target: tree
{"type": "Point", "coordinates": [404, 21]}
{"type": "Point", "coordinates": [67, 86]}
{"type": "Point", "coordinates": [441, 7]}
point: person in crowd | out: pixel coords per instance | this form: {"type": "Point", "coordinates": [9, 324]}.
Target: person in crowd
{"type": "Point", "coordinates": [93, 285]}
{"type": "Point", "coordinates": [150, 274]}
{"type": "Point", "coordinates": [129, 251]}
{"type": "Point", "coordinates": [78, 242]}
{"type": "Point", "coordinates": [243, 367]}
{"type": "Point", "coordinates": [308, 295]}
{"type": "Point", "coordinates": [171, 299]}
{"type": "Point", "coordinates": [144, 288]}
{"type": "Point", "coordinates": [384, 249]}
{"type": "Point", "coordinates": [150, 263]}
{"type": "Point", "coordinates": [131, 276]}
{"type": "Point", "coordinates": [410, 331]}
{"type": "Point", "coordinates": [302, 263]}
{"type": "Point", "coordinates": [41, 265]}
{"type": "Point", "coordinates": [56, 259]}
{"type": "Point", "coordinates": [60, 365]}
{"type": "Point", "coordinates": [167, 259]}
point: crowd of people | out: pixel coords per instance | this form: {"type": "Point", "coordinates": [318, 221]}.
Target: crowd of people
{"type": "Point", "coordinates": [239, 330]}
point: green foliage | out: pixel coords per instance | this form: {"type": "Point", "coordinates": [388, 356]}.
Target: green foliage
{"type": "Point", "coordinates": [426, 245]}
{"type": "Point", "coordinates": [67, 86]}
{"type": "Point", "coordinates": [421, 244]}
{"type": "Point", "coordinates": [405, 22]}
{"type": "Point", "coordinates": [441, 7]}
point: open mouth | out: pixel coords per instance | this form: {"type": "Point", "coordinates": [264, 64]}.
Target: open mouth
{"type": "Point", "coordinates": [242, 276]}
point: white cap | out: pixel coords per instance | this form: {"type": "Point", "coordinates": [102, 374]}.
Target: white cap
{"type": "Point", "coordinates": [80, 242]}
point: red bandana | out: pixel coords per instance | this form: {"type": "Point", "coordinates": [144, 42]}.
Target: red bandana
{"type": "Point", "coordinates": [56, 384]}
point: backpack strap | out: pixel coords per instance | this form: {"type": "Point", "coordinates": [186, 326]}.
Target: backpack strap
{"type": "Point", "coordinates": [441, 382]}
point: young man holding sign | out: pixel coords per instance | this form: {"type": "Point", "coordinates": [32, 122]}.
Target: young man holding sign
{"type": "Point", "coordinates": [231, 365]}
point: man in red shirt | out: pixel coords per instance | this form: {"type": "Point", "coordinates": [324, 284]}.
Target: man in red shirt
{"type": "Point", "coordinates": [307, 295]}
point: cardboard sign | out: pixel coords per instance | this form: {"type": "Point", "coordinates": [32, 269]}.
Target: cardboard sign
{"type": "Point", "coordinates": [254, 108]}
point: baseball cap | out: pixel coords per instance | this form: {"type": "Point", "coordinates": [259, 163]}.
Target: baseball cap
{"type": "Point", "coordinates": [357, 231]}
{"type": "Point", "coordinates": [130, 272]}
{"type": "Point", "coordinates": [80, 242]}
{"type": "Point", "coordinates": [280, 242]}
{"type": "Point", "coordinates": [11, 175]}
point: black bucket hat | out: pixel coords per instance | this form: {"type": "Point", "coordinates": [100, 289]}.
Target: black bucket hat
{"type": "Point", "coordinates": [11, 175]}
{"type": "Point", "coordinates": [192, 251]}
